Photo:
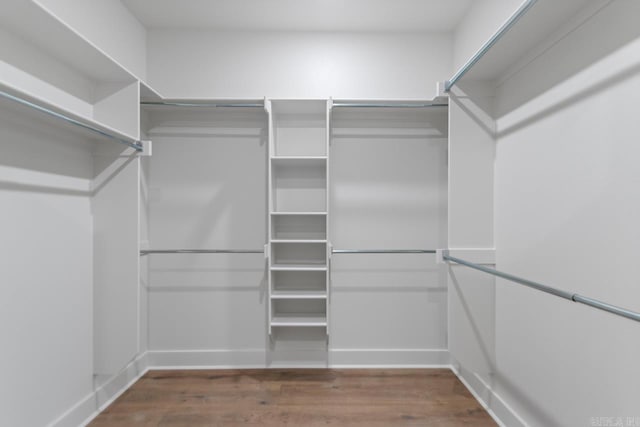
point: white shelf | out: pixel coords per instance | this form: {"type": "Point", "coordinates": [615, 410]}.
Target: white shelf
{"type": "Point", "coordinates": [298, 294]}
{"type": "Point", "coordinates": [299, 160]}
{"type": "Point", "coordinates": [34, 23]}
{"type": "Point", "coordinates": [298, 157]}
{"type": "Point", "coordinates": [298, 213]}
{"type": "Point", "coordinates": [29, 97]}
{"type": "Point", "coordinates": [298, 241]}
{"type": "Point", "coordinates": [298, 267]}
{"type": "Point", "coordinates": [80, 82]}
{"type": "Point", "coordinates": [523, 38]}
{"type": "Point", "coordinates": [299, 320]}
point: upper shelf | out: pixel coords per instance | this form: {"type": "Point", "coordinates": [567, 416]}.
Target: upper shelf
{"type": "Point", "coordinates": [156, 102]}
{"type": "Point", "coordinates": [59, 117]}
{"type": "Point", "coordinates": [34, 24]}
{"type": "Point", "coordinates": [532, 23]}
{"type": "Point", "coordinates": [48, 64]}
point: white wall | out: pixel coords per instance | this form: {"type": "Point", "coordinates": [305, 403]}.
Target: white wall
{"type": "Point", "coordinates": [207, 190]}
{"type": "Point", "coordinates": [204, 64]}
{"type": "Point", "coordinates": [46, 270]}
{"type": "Point", "coordinates": [116, 276]}
{"type": "Point", "coordinates": [480, 22]}
{"type": "Point", "coordinates": [567, 211]}
{"type": "Point", "coordinates": [388, 191]}
{"type": "Point", "coordinates": [48, 227]}
{"type": "Point", "coordinates": [110, 26]}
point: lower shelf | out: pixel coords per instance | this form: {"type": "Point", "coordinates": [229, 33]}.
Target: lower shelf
{"type": "Point", "coordinates": [298, 267]}
{"type": "Point", "coordinates": [298, 294]}
{"type": "Point", "coordinates": [299, 319]}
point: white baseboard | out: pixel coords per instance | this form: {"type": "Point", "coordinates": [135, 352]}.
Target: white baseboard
{"type": "Point", "coordinates": [94, 403]}
{"type": "Point", "coordinates": [385, 358]}
{"type": "Point", "coordinates": [207, 359]}
{"type": "Point", "coordinates": [338, 358]}
{"type": "Point", "coordinates": [497, 408]}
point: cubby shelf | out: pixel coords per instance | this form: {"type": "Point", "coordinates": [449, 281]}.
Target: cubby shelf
{"type": "Point", "coordinates": [283, 161]}
{"type": "Point", "coordinates": [298, 241]}
{"type": "Point", "coordinates": [298, 267]}
{"type": "Point", "coordinates": [298, 294]}
{"type": "Point", "coordinates": [298, 213]}
{"type": "Point", "coordinates": [299, 320]}
{"type": "Point", "coordinates": [298, 217]}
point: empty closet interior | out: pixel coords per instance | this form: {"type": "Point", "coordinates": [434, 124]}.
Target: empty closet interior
{"type": "Point", "coordinates": [409, 185]}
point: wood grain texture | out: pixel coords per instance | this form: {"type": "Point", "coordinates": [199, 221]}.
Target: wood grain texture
{"type": "Point", "coordinates": [296, 397]}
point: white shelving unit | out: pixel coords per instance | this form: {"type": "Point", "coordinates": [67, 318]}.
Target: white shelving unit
{"type": "Point", "coordinates": [298, 206]}
{"type": "Point", "coordinates": [49, 64]}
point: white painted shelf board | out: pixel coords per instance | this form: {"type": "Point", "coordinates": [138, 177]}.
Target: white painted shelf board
{"type": "Point", "coordinates": [298, 213]}
{"type": "Point", "coordinates": [298, 241]}
{"type": "Point", "coordinates": [283, 163]}
{"type": "Point", "coordinates": [298, 267]}
{"type": "Point", "coordinates": [299, 319]}
{"type": "Point", "coordinates": [236, 104]}
{"type": "Point", "coordinates": [294, 158]}
{"type": "Point", "coordinates": [34, 23]}
{"type": "Point", "coordinates": [298, 294]}
{"type": "Point", "coordinates": [541, 21]}
{"type": "Point", "coordinates": [57, 109]}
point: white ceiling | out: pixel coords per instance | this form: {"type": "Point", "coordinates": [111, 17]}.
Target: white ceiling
{"type": "Point", "coordinates": [301, 15]}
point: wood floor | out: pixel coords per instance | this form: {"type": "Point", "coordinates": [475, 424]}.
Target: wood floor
{"type": "Point", "coordinates": [300, 397]}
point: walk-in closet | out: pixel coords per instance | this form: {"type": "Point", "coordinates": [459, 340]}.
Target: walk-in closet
{"type": "Point", "coordinates": [305, 213]}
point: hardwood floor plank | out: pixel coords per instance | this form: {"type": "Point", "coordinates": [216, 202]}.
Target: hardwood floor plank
{"type": "Point", "coordinates": [296, 397]}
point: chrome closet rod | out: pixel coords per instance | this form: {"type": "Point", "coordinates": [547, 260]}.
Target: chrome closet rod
{"type": "Point", "coordinates": [382, 105]}
{"type": "Point", "coordinates": [550, 290]}
{"type": "Point", "coordinates": [522, 10]}
{"type": "Point", "coordinates": [383, 251]}
{"type": "Point", "coordinates": [201, 251]}
{"type": "Point", "coordinates": [135, 145]}
{"type": "Point", "coordinates": [201, 104]}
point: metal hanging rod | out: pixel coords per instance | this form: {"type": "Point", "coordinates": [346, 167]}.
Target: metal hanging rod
{"type": "Point", "coordinates": [383, 105]}
{"type": "Point", "coordinates": [522, 10]}
{"type": "Point", "coordinates": [201, 104]}
{"type": "Point", "coordinates": [548, 289]}
{"type": "Point", "coordinates": [137, 145]}
{"type": "Point", "coordinates": [201, 251]}
{"type": "Point", "coordinates": [383, 251]}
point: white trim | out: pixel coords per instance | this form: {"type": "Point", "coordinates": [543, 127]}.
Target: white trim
{"type": "Point", "coordinates": [503, 414]}
{"type": "Point", "coordinates": [83, 412]}
{"type": "Point", "coordinates": [389, 358]}
{"type": "Point", "coordinates": [338, 358]}
{"type": "Point", "coordinates": [207, 359]}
